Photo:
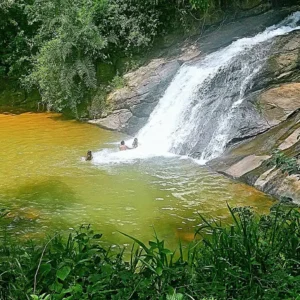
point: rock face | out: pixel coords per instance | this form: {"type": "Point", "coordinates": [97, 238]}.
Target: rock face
{"type": "Point", "coordinates": [280, 102]}
{"type": "Point", "coordinates": [132, 104]}
{"type": "Point", "coordinates": [245, 165]}
{"type": "Point", "coordinates": [274, 95]}
{"type": "Point", "coordinates": [115, 121]}
{"type": "Point", "coordinates": [247, 161]}
{"type": "Point", "coordinates": [275, 101]}
{"type": "Point", "coordinates": [144, 88]}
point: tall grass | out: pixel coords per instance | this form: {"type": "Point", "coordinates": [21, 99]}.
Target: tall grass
{"type": "Point", "coordinates": [256, 257]}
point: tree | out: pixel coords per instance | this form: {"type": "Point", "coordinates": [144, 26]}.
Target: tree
{"type": "Point", "coordinates": [70, 42]}
{"type": "Point", "coordinates": [15, 38]}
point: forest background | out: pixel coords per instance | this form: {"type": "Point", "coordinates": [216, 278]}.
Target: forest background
{"type": "Point", "coordinates": [67, 54]}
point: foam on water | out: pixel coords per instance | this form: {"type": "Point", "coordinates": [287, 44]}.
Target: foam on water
{"type": "Point", "coordinates": [114, 156]}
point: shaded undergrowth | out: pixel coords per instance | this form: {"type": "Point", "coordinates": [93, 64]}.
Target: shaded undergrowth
{"type": "Point", "coordinates": [256, 257]}
{"type": "Point", "coordinates": [284, 162]}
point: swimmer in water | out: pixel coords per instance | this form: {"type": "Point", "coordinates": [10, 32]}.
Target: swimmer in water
{"type": "Point", "coordinates": [135, 143]}
{"type": "Point", "coordinates": [89, 155]}
{"type": "Point", "coordinates": [123, 147]}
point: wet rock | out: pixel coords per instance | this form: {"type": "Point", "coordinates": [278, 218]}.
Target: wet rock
{"type": "Point", "coordinates": [283, 63]}
{"type": "Point", "coordinates": [245, 165]}
{"type": "Point", "coordinates": [134, 123]}
{"type": "Point", "coordinates": [279, 102]}
{"type": "Point", "coordinates": [290, 140]}
{"type": "Point", "coordinates": [274, 95]}
{"type": "Point", "coordinates": [137, 99]}
{"type": "Point", "coordinates": [115, 121]}
{"type": "Point", "coordinates": [265, 178]}
{"type": "Point", "coordinates": [143, 110]}
{"type": "Point", "coordinates": [283, 185]}
{"type": "Point", "coordinates": [271, 180]}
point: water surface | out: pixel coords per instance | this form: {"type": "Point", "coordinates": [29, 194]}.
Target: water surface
{"type": "Point", "coordinates": [47, 186]}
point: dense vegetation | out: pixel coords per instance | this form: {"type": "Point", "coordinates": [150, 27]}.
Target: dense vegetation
{"type": "Point", "coordinates": [257, 257]}
{"type": "Point", "coordinates": [283, 162]}
{"type": "Point", "coordinates": [55, 45]}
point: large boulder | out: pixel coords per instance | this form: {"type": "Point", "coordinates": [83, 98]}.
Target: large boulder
{"type": "Point", "coordinates": [131, 105]}
{"type": "Point", "coordinates": [278, 103]}
{"type": "Point", "coordinates": [114, 121]}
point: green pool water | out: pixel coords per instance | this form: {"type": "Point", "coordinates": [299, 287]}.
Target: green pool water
{"type": "Point", "coordinates": [47, 186]}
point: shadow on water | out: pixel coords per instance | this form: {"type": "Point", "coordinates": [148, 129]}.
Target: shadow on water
{"type": "Point", "coordinates": [37, 207]}
{"type": "Point", "coordinates": [51, 191]}
{"type": "Point", "coordinates": [61, 117]}
{"type": "Point", "coordinates": [9, 110]}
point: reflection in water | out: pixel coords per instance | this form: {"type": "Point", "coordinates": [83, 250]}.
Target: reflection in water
{"type": "Point", "coordinates": [47, 186]}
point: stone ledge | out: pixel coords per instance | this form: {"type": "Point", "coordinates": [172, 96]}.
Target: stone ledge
{"type": "Point", "coordinates": [245, 165]}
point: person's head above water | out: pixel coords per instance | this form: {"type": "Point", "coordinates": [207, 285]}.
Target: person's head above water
{"type": "Point", "coordinates": [135, 143]}
{"type": "Point", "coordinates": [123, 146]}
{"type": "Point", "coordinates": [89, 155]}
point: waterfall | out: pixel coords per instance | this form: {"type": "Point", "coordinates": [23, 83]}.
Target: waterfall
{"type": "Point", "coordinates": [199, 107]}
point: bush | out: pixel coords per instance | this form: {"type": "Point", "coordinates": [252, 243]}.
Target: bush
{"type": "Point", "coordinates": [256, 257]}
{"type": "Point", "coordinates": [285, 163]}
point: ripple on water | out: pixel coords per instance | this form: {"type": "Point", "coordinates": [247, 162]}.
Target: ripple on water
{"type": "Point", "coordinates": [132, 191]}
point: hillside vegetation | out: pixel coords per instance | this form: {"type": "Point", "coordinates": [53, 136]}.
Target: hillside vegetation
{"type": "Point", "coordinates": [55, 46]}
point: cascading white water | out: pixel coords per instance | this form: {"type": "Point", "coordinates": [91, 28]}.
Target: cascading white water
{"type": "Point", "coordinates": [197, 109]}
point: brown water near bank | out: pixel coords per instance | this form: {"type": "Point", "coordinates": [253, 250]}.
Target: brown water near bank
{"type": "Point", "coordinates": [47, 186]}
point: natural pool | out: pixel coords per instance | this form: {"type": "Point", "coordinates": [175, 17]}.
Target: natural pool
{"type": "Point", "coordinates": [46, 185]}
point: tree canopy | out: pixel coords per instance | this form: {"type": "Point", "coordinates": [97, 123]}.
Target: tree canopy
{"type": "Point", "coordinates": [54, 45]}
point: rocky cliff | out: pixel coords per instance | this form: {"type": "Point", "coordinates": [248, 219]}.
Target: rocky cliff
{"type": "Point", "coordinates": [272, 116]}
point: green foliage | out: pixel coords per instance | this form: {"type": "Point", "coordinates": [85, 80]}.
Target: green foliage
{"type": "Point", "coordinates": [3, 212]}
{"type": "Point", "coordinates": [98, 104]}
{"type": "Point", "coordinates": [253, 258]}
{"type": "Point", "coordinates": [284, 163]}
{"type": "Point", "coordinates": [41, 297]}
{"type": "Point", "coordinates": [256, 257]}
{"type": "Point", "coordinates": [64, 68]}
{"type": "Point", "coordinates": [118, 82]}
{"type": "Point", "coordinates": [15, 38]}
{"type": "Point", "coordinates": [55, 45]}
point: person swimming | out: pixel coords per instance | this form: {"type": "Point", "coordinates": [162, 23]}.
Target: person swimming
{"type": "Point", "coordinates": [135, 143]}
{"type": "Point", "coordinates": [89, 155]}
{"type": "Point", "coordinates": [123, 147]}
